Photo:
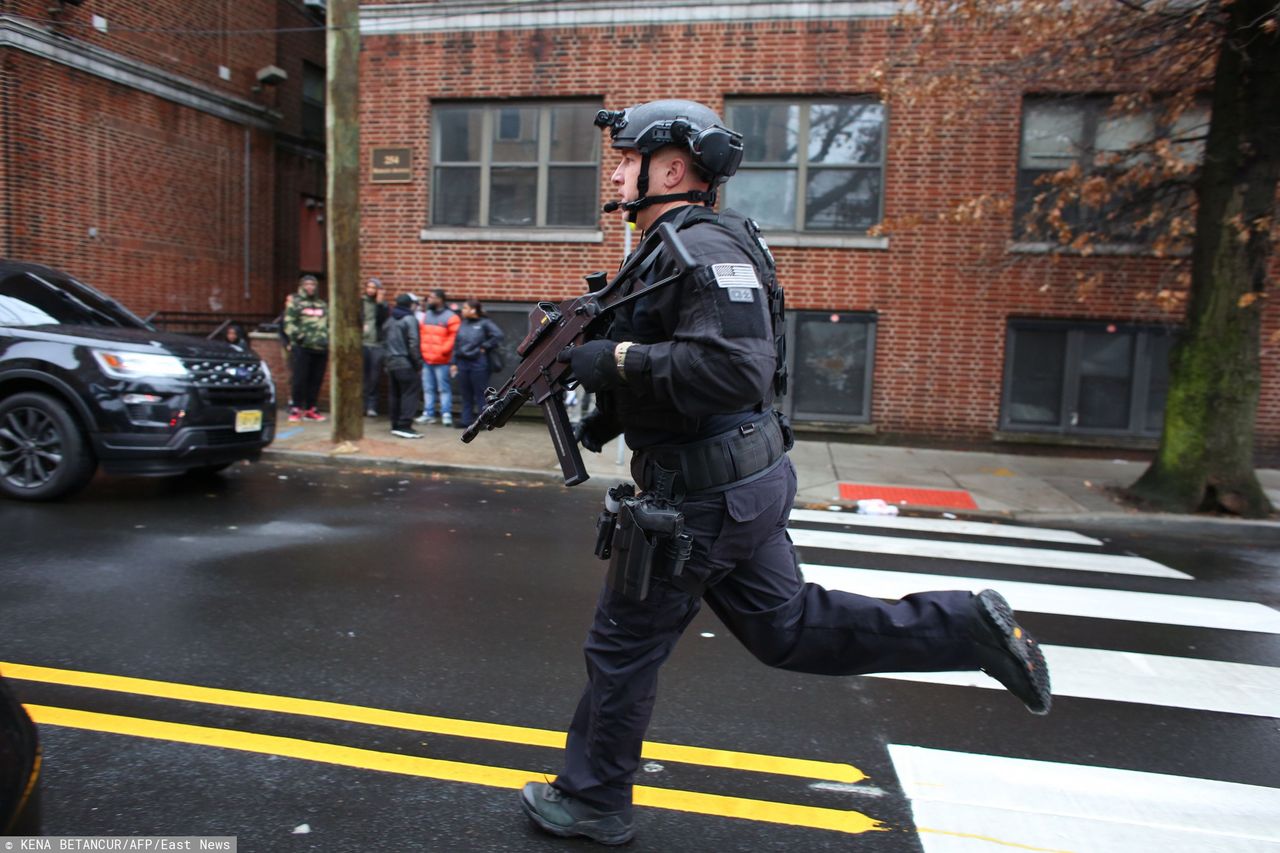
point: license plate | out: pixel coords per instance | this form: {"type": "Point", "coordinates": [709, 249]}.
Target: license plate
{"type": "Point", "coordinates": [249, 420]}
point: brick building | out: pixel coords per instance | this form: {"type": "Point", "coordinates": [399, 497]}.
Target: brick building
{"type": "Point", "coordinates": [484, 175]}
{"type": "Point", "coordinates": [155, 150]}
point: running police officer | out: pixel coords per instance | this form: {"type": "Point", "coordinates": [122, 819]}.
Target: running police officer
{"type": "Point", "coordinates": [689, 375]}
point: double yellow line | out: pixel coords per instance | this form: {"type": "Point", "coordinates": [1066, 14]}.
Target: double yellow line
{"type": "Point", "coordinates": [452, 771]}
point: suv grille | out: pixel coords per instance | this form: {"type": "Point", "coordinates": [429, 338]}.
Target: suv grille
{"type": "Point", "coordinates": [226, 374]}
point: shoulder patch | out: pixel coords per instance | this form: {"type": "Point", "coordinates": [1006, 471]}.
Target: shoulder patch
{"type": "Point", "coordinates": [735, 275]}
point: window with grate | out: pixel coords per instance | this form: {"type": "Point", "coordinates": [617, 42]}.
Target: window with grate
{"type": "Point", "coordinates": [831, 355]}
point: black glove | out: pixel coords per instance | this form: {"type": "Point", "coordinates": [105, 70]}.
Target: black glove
{"type": "Point", "coordinates": [595, 431]}
{"type": "Point", "coordinates": [594, 364]}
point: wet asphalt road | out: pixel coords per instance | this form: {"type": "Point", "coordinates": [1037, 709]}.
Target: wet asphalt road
{"type": "Point", "coordinates": [469, 600]}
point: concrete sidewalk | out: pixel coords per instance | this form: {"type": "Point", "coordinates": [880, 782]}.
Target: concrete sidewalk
{"type": "Point", "coordinates": [1040, 488]}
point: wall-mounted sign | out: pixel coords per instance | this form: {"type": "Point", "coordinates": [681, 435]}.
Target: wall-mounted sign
{"type": "Point", "coordinates": [392, 166]}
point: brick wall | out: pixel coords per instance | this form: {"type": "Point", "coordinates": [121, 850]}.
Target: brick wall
{"type": "Point", "coordinates": [188, 37]}
{"type": "Point", "coordinates": [140, 196]}
{"type": "Point", "coordinates": [300, 168]}
{"type": "Point", "coordinates": [8, 92]}
{"type": "Point", "coordinates": [298, 43]}
{"type": "Point", "coordinates": [943, 291]}
{"type": "Point", "coordinates": [162, 205]}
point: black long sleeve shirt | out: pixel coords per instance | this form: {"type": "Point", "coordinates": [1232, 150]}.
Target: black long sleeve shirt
{"type": "Point", "coordinates": [703, 356]}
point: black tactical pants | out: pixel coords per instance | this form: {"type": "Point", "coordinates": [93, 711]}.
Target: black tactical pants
{"type": "Point", "coordinates": [744, 558]}
{"type": "Point", "coordinates": [308, 375]}
{"type": "Point", "coordinates": [405, 395]}
{"type": "Point", "coordinates": [372, 357]}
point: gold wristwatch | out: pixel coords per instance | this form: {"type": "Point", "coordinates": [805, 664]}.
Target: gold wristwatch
{"type": "Point", "coordinates": [620, 357]}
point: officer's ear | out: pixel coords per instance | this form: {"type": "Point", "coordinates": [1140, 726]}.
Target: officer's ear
{"type": "Point", "coordinates": [675, 169]}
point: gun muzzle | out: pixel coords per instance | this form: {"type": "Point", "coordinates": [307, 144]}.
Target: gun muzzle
{"type": "Point", "coordinates": [496, 414]}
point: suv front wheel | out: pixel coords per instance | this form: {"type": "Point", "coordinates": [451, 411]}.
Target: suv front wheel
{"type": "Point", "coordinates": [43, 455]}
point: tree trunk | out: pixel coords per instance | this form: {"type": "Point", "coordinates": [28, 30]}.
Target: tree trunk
{"type": "Point", "coordinates": [342, 209]}
{"type": "Point", "coordinates": [1205, 458]}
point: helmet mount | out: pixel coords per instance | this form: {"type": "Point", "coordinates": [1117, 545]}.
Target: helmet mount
{"type": "Point", "coordinates": [714, 150]}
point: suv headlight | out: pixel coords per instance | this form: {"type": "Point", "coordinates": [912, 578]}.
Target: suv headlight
{"type": "Point", "coordinates": [271, 382]}
{"type": "Point", "coordinates": [140, 365]}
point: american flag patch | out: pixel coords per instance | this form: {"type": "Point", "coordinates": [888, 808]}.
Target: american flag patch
{"type": "Point", "coordinates": [735, 275]}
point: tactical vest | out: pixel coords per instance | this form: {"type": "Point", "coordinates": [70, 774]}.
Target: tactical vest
{"type": "Point", "coordinates": [746, 233]}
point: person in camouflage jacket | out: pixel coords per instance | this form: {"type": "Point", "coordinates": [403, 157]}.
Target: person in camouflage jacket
{"type": "Point", "coordinates": [306, 328]}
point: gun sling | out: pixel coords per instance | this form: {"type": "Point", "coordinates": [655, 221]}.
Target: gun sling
{"type": "Point", "coordinates": [716, 463]}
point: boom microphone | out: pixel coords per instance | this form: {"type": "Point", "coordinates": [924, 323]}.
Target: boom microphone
{"type": "Point", "coordinates": [610, 207]}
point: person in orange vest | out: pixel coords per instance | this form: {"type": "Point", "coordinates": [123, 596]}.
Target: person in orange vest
{"type": "Point", "coordinates": [438, 331]}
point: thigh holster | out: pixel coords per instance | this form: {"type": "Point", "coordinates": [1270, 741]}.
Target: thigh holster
{"type": "Point", "coordinates": [640, 537]}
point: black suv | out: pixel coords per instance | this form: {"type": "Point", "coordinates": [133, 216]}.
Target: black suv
{"type": "Point", "coordinates": [84, 382]}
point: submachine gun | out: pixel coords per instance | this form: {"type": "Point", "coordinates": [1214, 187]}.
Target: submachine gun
{"type": "Point", "coordinates": [540, 378]}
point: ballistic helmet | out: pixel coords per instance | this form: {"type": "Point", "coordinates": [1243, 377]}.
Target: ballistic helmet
{"type": "Point", "coordinates": [715, 150]}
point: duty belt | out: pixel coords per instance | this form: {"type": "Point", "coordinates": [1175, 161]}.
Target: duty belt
{"type": "Point", "coordinates": [713, 464]}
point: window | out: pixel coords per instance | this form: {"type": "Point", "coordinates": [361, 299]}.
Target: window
{"type": "Point", "coordinates": [313, 88]}
{"type": "Point", "coordinates": [830, 359]}
{"type": "Point", "coordinates": [1060, 132]}
{"type": "Point", "coordinates": [515, 165]}
{"type": "Point", "coordinates": [513, 319]}
{"type": "Point", "coordinates": [1085, 378]}
{"type": "Point", "coordinates": [311, 235]}
{"type": "Point", "coordinates": [47, 299]}
{"type": "Point", "coordinates": [815, 166]}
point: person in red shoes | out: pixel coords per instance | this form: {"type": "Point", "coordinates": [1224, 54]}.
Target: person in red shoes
{"type": "Point", "coordinates": [306, 327]}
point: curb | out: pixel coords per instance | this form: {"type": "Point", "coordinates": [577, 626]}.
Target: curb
{"type": "Point", "coordinates": [478, 472]}
{"type": "Point", "coordinates": [1206, 525]}
{"type": "Point", "coordinates": [1216, 526]}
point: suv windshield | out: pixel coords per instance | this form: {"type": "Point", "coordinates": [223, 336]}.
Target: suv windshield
{"type": "Point", "coordinates": [44, 299]}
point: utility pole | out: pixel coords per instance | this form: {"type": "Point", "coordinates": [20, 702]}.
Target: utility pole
{"type": "Point", "coordinates": [342, 206]}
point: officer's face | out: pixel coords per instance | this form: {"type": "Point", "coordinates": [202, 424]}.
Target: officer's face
{"type": "Point", "coordinates": [668, 173]}
{"type": "Point", "coordinates": [626, 177]}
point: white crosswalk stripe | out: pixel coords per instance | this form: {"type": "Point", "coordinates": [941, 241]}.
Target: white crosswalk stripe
{"type": "Point", "coordinates": [1153, 607]}
{"type": "Point", "coordinates": [1173, 682]}
{"type": "Point", "coordinates": [980, 552]}
{"type": "Point", "coordinates": [966, 802]}
{"type": "Point", "coordinates": [1038, 805]}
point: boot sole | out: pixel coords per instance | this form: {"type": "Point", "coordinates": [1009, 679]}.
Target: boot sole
{"type": "Point", "coordinates": [582, 829]}
{"type": "Point", "coordinates": [1020, 643]}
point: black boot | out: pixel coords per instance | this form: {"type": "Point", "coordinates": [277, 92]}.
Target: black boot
{"type": "Point", "coordinates": [1009, 654]}
{"type": "Point", "coordinates": [556, 812]}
